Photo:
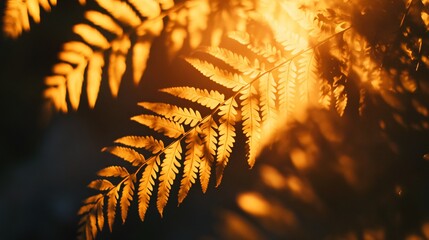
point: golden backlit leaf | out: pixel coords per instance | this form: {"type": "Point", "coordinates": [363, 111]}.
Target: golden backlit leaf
{"type": "Point", "coordinates": [202, 96]}
{"type": "Point", "coordinates": [94, 75]}
{"type": "Point", "coordinates": [147, 8]}
{"type": "Point", "coordinates": [168, 128]}
{"type": "Point", "coordinates": [101, 184]}
{"type": "Point", "coordinates": [149, 143]}
{"type": "Point", "coordinates": [141, 50]}
{"type": "Point", "coordinates": [117, 63]}
{"type": "Point", "coordinates": [56, 92]}
{"type": "Point", "coordinates": [268, 97]}
{"type": "Point", "coordinates": [169, 169]}
{"type": "Point", "coordinates": [112, 202]}
{"type": "Point", "coordinates": [74, 84]}
{"type": "Point", "coordinates": [209, 137]}
{"type": "Point", "coordinates": [127, 196]}
{"type": "Point", "coordinates": [78, 47]}
{"type": "Point", "coordinates": [127, 154]}
{"type": "Point", "coordinates": [192, 163]}
{"type": "Point", "coordinates": [147, 182]}
{"type": "Point", "coordinates": [61, 69]}
{"type": "Point", "coordinates": [188, 116]}
{"type": "Point", "coordinates": [219, 76]}
{"type": "Point", "coordinates": [251, 122]}
{"type": "Point", "coordinates": [100, 214]}
{"type": "Point", "coordinates": [91, 35]}
{"type": "Point", "coordinates": [17, 13]}
{"type": "Point", "coordinates": [113, 171]}
{"type": "Point", "coordinates": [227, 135]}
{"type": "Point", "coordinates": [120, 11]}
{"type": "Point", "coordinates": [237, 61]}
{"type": "Point", "coordinates": [104, 21]}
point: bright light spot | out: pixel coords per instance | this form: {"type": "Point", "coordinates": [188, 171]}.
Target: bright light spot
{"type": "Point", "coordinates": [254, 204]}
{"type": "Point", "coordinates": [299, 159]}
{"type": "Point", "coordinates": [272, 177]}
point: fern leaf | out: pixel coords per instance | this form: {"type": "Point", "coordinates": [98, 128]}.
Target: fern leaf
{"type": "Point", "coordinates": [209, 133]}
{"type": "Point", "coordinates": [169, 169]}
{"type": "Point", "coordinates": [101, 185]}
{"type": "Point", "coordinates": [149, 143]}
{"type": "Point", "coordinates": [251, 122]}
{"type": "Point", "coordinates": [78, 47]}
{"type": "Point", "coordinates": [56, 92]}
{"type": "Point", "coordinates": [127, 154]}
{"type": "Point", "coordinates": [307, 77]}
{"type": "Point", "coordinates": [94, 73]}
{"type": "Point", "coordinates": [146, 8]}
{"type": "Point", "coordinates": [74, 84]}
{"type": "Point", "coordinates": [181, 115]}
{"type": "Point", "coordinates": [268, 92]}
{"type": "Point", "coordinates": [224, 78]}
{"type": "Point", "coordinates": [17, 13]}
{"type": "Point", "coordinates": [191, 164]}
{"type": "Point", "coordinates": [127, 196]}
{"type": "Point", "coordinates": [117, 63]}
{"type": "Point", "coordinates": [120, 11]}
{"type": "Point", "coordinates": [227, 134]}
{"type": "Point", "coordinates": [147, 182]}
{"type": "Point", "coordinates": [100, 214]}
{"type": "Point", "coordinates": [104, 21]}
{"type": "Point", "coordinates": [237, 61]}
{"type": "Point", "coordinates": [141, 51]}
{"type": "Point", "coordinates": [91, 227]}
{"type": "Point", "coordinates": [91, 35]}
{"type": "Point", "coordinates": [112, 202]}
{"type": "Point", "coordinates": [168, 128]}
{"type": "Point", "coordinates": [202, 96]}
{"type": "Point", "coordinates": [113, 171]}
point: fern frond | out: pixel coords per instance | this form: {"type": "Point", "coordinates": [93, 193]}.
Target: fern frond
{"type": "Point", "coordinates": [227, 135]}
{"type": "Point", "coordinates": [127, 154]}
{"type": "Point", "coordinates": [222, 77]}
{"type": "Point", "coordinates": [147, 181]}
{"type": "Point", "coordinates": [127, 196]}
{"type": "Point", "coordinates": [142, 19]}
{"type": "Point", "coordinates": [251, 121]}
{"type": "Point", "coordinates": [113, 171]}
{"type": "Point", "coordinates": [17, 14]}
{"type": "Point", "coordinates": [237, 61]}
{"type": "Point", "coordinates": [180, 115]}
{"type": "Point", "coordinates": [191, 164]}
{"type": "Point", "coordinates": [209, 136]}
{"type": "Point", "coordinates": [94, 73]}
{"type": "Point", "coordinates": [268, 92]}
{"type": "Point", "coordinates": [117, 63]}
{"type": "Point", "coordinates": [101, 185]}
{"type": "Point", "coordinates": [168, 128]}
{"type": "Point", "coordinates": [169, 169]}
{"type": "Point", "coordinates": [112, 203]}
{"type": "Point", "coordinates": [149, 143]}
{"type": "Point", "coordinates": [202, 96]}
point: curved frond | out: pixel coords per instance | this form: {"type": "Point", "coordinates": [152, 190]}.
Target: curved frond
{"type": "Point", "coordinates": [191, 164]}
{"type": "Point", "coordinates": [168, 128]}
{"type": "Point", "coordinates": [127, 154]}
{"type": "Point", "coordinates": [147, 182]}
{"type": "Point", "coordinates": [180, 115]}
{"type": "Point", "coordinates": [17, 15]}
{"type": "Point", "coordinates": [169, 170]}
{"type": "Point", "coordinates": [149, 143]}
{"type": "Point", "coordinates": [227, 135]}
{"type": "Point", "coordinates": [106, 36]}
{"type": "Point", "coordinates": [210, 99]}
